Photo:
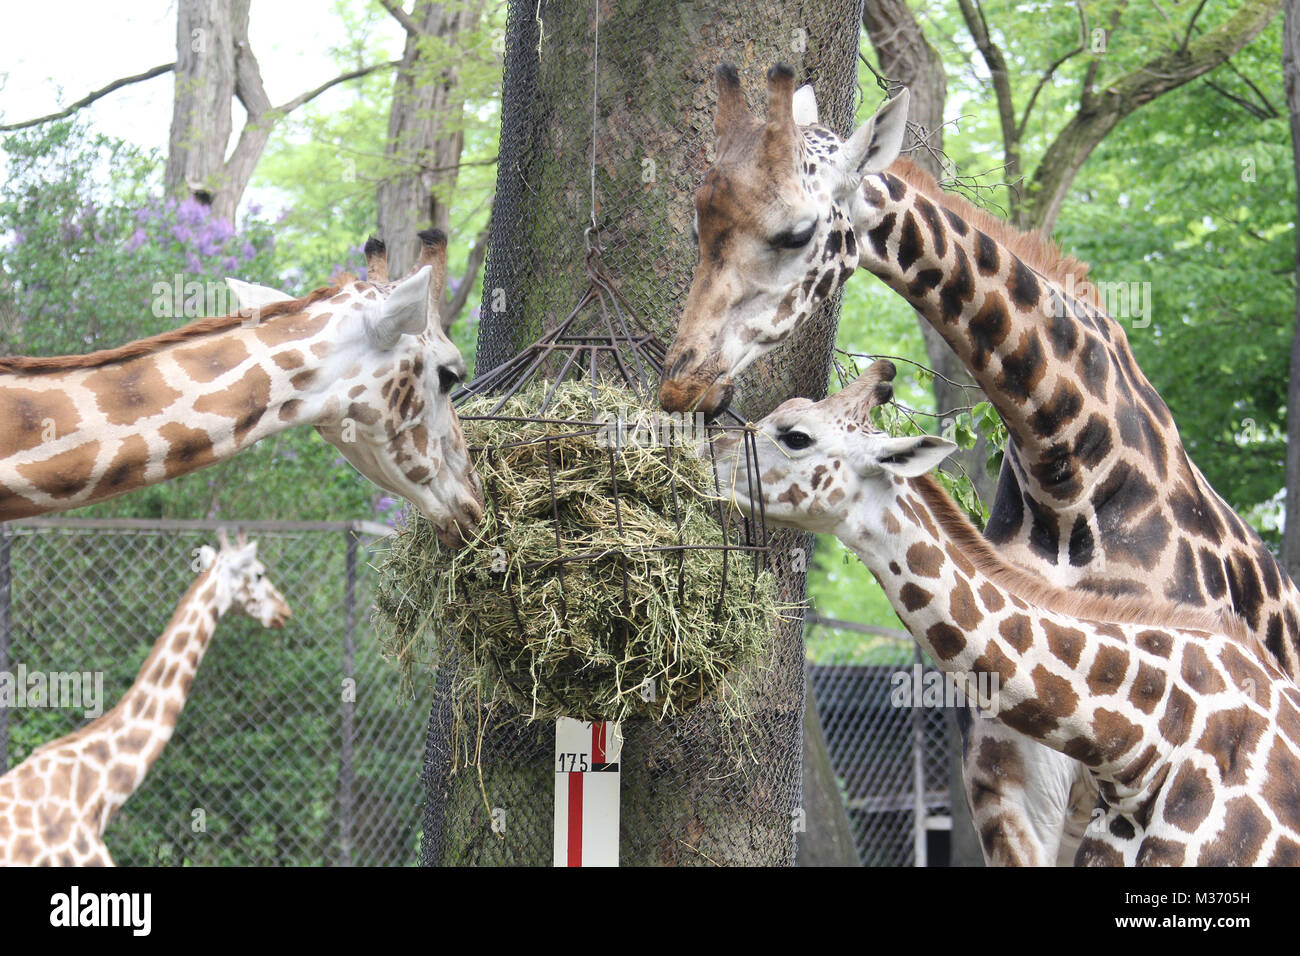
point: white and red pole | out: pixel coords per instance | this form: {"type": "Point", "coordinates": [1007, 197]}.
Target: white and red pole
{"type": "Point", "coordinates": [586, 792]}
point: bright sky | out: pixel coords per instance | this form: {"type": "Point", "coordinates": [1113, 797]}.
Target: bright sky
{"type": "Point", "coordinates": [52, 56]}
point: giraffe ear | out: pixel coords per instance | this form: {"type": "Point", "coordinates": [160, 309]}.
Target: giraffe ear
{"type": "Point", "coordinates": [404, 312]}
{"type": "Point", "coordinates": [805, 106]}
{"type": "Point", "coordinates": [909, 456]}
{"type": "Point", "coordinates": [879, 140]}
{"type": "Point", "coordinates": [207, 555]}
{"type": "Point", "coordinates": [250, 296]}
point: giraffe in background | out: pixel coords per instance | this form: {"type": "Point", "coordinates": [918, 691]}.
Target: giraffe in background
{"type": "Point", "coordinates": [56, 804]}
{"type": "Point", "coordinates": [1097, 492]}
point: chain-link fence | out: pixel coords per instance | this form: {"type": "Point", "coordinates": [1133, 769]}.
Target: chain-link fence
{"type": "Point", "coordinates": [294, 747]}
{"type": "Point", "coordinates": [889, 746]}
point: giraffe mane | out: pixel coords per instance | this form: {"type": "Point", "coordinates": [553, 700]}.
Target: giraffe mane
{"type": "Point", "coordinates": [1036, 250]}
{"type": "Point", "coordinates": [38, 365]}
{"type": "Point", "coordinates": [1097, 608]}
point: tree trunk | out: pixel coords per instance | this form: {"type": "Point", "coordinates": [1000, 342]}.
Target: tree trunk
{"type": "Point", "coordinates": [1291, 79]}
{"type": "Point", "coordinates": [683, 802]}
{"type": "Point", "coordinates": [827, 839]}
{"type": "Point", "coordinates": [206, 34]}
{"type": "Point", "coordinates": [907, 58]}
{"type": "Point", "coordinates": [425, 135]}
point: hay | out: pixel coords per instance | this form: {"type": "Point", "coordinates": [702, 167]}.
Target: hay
{"type": "Point", "coordinates": [616, 633]}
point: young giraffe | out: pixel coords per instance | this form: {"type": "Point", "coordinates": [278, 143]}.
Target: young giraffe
{"type": "Point", "coordinates": [360, 361]}
{"type": "Point", "coordinates": [1194, 740]}
{"type": "Point", "coordinates": [1096, 492]}
{"type": "Point", "coordinates": [56, 804]}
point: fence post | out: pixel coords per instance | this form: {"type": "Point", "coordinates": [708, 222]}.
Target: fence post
{"type": "Point", "coordinates": [6, 595]}
{"type": "Point", "coordinates": [918, 769]}
{"type": "Point", "coordinates": [349, 705]}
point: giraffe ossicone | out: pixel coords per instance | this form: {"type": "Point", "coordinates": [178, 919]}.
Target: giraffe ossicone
{"type": "Point", "coordinates": [56, 804]}
{"type": "Point", "coordinates": [1193, 741]}
{"type": "Point", "coordinates": [368, 364]}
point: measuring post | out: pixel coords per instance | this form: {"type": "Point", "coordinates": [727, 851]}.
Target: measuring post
{"type": "Point", "coordinates": [586, 792]}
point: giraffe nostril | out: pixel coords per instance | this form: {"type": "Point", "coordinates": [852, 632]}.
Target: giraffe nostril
{"type": "Point", "coordinates": [680, 365]}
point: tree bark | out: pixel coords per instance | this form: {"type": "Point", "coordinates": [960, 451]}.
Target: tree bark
{"type": "Point", "coordinates": [683, 802]}
{"type": "Point", "coordinates": [907, 58]}
{"type": "Point", "coordinates": [425, 133]}
{"type": "Point", "coordinates": [828, 837]}
{"type": "Point", "coordinates": [214, 64]}
{"type": "Point", "coordinates": [1291, 80]}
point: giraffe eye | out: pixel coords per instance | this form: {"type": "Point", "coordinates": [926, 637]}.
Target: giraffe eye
{"type": "Point", "coordinates": [796, 440]}
{"type": "Point", "coordinates": [794, 239]}
{"type": "Point", "coordinates": [448, 379]}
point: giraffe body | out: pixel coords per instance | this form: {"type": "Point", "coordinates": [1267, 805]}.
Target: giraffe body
{"type": "Point", "coordinates": [362, 362]}
{"type": "Point", "coordinates": [1097, 492]}
{"type": "Point", "coordinates": [1189, 728]}
{"type": "Point", "coordinates": [56, 804]}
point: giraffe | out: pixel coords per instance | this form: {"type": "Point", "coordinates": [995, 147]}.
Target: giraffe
{"type": "Point", "coordinates": [360, 361]}
{"type": "Point", "coordinates": [1193, 741]}
{"type": "Point", "coordinates": [1096, 492]}
{"type": "Point", "coordinates": [56, 804]}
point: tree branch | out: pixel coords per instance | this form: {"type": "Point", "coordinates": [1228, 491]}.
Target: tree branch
{"type": "Point", "coordinates": [310, 95]}
{"type": "Point", "coordinates": [91, 97]}
{"type": "Point", "coordinates": [1104, 111]}
{"type": "Point", "coordinates": [401, 16]}
{"type": "Point", "coordinates": [973, 13]}
{"type": "Point", "coordinates": [1047, 76]}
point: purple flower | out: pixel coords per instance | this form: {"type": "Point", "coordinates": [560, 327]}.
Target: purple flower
{"type": "Point", "coordinates": [192, 263]}
{"type": "Point", "coordinates": [254, 208]}
{"type": "Point", "coordinates": [138, 239]}
{"type": "Point", "coordinates": [181, 234]}
{"type": "Point", "coordinates": [248, 252]}
{"type": "Point", "coordinates": [229, 263]}
{"type": "Point", "coordinates": [191, 212]}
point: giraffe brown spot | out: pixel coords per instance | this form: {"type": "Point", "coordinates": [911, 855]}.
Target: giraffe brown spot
{"type": "Point", "coordinates": [189, 449]}
{"type": "Point", "coordinates": [1247, 677]}
{"type": "Point", "coordinates": [65, 474]}
{"type": "Point", "coordinates": [986, 254]}
{"type": "Point", "coordinates": [356, 390]}
{"type": "Point", "coordinates": [181, 640]}
{"type": "Point", "coordinates": [129, 391]}
{"type": "Point", "coordinates": [27, 413]}
{"type": "Point", "coordinates": [913, 597]}
{"type": "Point", "coordinates": [1017, 631]}
{"type": "Point", "coordinates": [924, 559]}
{"type": "Point", "coordinates": [963, 563]}
{"type": "Point", "coordinates": [97, 751]}
{"type": "Point", "coordinates": [290, 359]}
{"type": "Point", "coordinates": [1135, 769]}
{"type": "Point", "coordinates": [289, 410]}
{"type": "Point", "coordinates": [792, 495]}
{"type": "Point", "coordinates": [1244, 586]}
{"type": "Point", "coordinates": [1176, 723]}
{"type": "Point", "coordinates": [1184, 587]}
{"type": "Point", "coordinates": [135, 742]}
{"type": "Point", "coordinates": [1189, 798]}
{"type": "Point", "coordinates": [303, 380]}
{"type": "Point", "coordinates": [1058, 411]}
{"type": "Point", "coordinates": [31, 787]}
{"type": "Point", "coordinates": [945, 640]}
{"type": "Point", "coordinates": [962, 607]}
{"type": "Point", "coordinates": [1158, 643]}
{"type": "Point", "coordinates": [890, 523]}
{"type": "Point", "coordinates": [1114, 733]}
{"type": "Point", "coordinates": [1066, 643]}
{"type": "Point", "coordinates": [988, 329]}
{"type": "Point", "coordinates": [1156, 851]}
{"type": "Point", "coordinates": [1023, 369]}
{"type": "Point", "coordinates": [994, 661]}
{"type": "Point", "coordinates": [1148, 688]}
{"type": "Point", "coordinates": [1285, 853]}
{"type": "Point", "coordinates": [1062, 331]}
{"type": "Point", "coordinates": [1023, 285]}
{"type": "Point", "coordinates": [991, 597]}
{"type": "Point", "coordinates": [207, 362]}
{"type": "Point", "coordinates": [909, 243]}
{"type": "Point", "coordinates": [85, 786]}
{"type": "Point", "coordinates": [1245, 828]}
{"type": "Point", "coordinates": [121, 778]}
{"type": "Point", "coordinates": [1194, 515]}
{"type": "Point", "coordinates": [363, 413]}
{"type": "Point", "coordinates": [879, 236]}
{"type": "Point", "coordinates": [959, 290]}
{"type": "Point", "coordinates": [931, 216]}
{"type": "Point", "coordinates": [127, 469]}
{"type": "Point", "coordinates": [1080, 543]}
{"type": "Point", "coordinates": [1107, 671]}
{"type": "Point", "coordinates": [322, 349]}
{"type": "Point", "coordinates": [1197, 671]}
{"type": "Point", "coordinates": [245, 401]}
{"type": "Point", "coordinates": [1230, 738]}
{"type": "Point", "coordinates": [1093, 852]}
{"type": "Point", "coordinates": [1282, 785]}
{"type": "Point", "coordinates": [894, 568]}
{"type": "Point", "coordinates": [1053, 699]}
{"type": "Point", "coordinates": [923, 516]}
{"type": "Point", "coordinates": [291, 328]}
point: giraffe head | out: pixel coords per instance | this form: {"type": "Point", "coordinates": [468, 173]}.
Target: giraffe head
{"type": "Point", "coordinates": [823, 464]}
{"type": "Point", "coordinates": [242, 584]}
{"type": "Point", "coordinates": [395, 422]}
{"type": "Point", "coordinates": [774, 222]}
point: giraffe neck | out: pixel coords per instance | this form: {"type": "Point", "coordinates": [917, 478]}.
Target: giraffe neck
{"type": "Point", "coordinates": [82, 435]}
{"type": "Point", "coordinates": [131, 737]}
{"type": "Point", "coordinates": [1097, 492]}
{"type": "Point", "coordinates": [992, 626]}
